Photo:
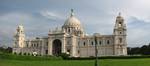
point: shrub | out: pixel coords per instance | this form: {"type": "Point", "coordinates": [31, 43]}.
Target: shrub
{"type": "Point", "coordinates": [29, 54]}
{"type": "Point", "coordinates": [24, 53]}
{"type": "Point", "coordinates": [39, 55]}
{"type": "Point", "coordinates": [20, 53]}
{"type": "Point", "coordinates": [15, 53]}
{"type": "Point", "coordinates": [108, 57]}
{"type": "Point", "coordinates": [28, 58]}
{"type": "Point", "coordinates": [64, 55]}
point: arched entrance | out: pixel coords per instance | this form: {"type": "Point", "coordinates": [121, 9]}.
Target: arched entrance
{"type": "Point", "coordinates": [56, 47]}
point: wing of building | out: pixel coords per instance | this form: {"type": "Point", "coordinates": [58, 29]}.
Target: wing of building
{"type": "Point", "coordinates": [71, 39]}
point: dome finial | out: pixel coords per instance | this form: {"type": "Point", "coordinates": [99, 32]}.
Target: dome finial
{"type": "Point", "coordinates": [72, 13]}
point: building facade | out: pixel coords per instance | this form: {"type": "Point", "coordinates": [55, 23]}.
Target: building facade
{"type": "Point", "coordinates": [71, 39]}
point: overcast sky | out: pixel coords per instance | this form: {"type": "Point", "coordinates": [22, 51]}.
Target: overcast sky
{"type": "Point", "coordinates": [97, 16]}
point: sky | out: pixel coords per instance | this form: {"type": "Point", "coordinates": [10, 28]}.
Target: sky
{"type": "Point", "coordinates": [96, 16]}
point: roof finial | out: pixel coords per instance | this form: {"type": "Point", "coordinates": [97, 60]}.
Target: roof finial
{"type": "Point", "coordinates": [119, 14]}
{"type": "Point", "coordinates": [72, 13]}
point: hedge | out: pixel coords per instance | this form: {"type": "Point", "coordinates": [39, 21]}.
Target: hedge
{"type": "Point", "coordinates": [63, 56]}
{"type": "Point", "coordinates": [108, 57]}
{"type": "Point", "coordinates": [28, 58]}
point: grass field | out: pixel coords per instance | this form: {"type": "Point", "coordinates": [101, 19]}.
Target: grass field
{"type": "Point", "coordinates": [19, 60]}
{"type": "Point", "coordinates": [103, 62]}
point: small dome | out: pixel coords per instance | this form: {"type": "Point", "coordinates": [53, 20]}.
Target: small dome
{"type": "Point", "coordinates": [20, 27]}
{"type": "Point", "coordinates": [72, 21]}
{"type": "Point", "coordinates": [119, 17]}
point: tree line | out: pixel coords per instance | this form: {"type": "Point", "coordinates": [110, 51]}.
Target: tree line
{"type": "Point", "coordinates": [144, 50]}
{"type": "Point", "coordinates": [5, 50]}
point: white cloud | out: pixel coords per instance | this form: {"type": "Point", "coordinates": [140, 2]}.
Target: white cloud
{"type": "Point", "coordinates": [14, 18]}
{"type": "Point", "coordinates": [138, 32]}
{"type": "Point", "coordinates": [138, 37]}
{"type": "Point", "coordinates": [8, 24]}
{"type": "Point", "coordinates": [52, 15]}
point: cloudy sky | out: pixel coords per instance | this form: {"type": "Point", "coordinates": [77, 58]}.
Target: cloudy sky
{"type": "Point", "coordinates": [97, 16]}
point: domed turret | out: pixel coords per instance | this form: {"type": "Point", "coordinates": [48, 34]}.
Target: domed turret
{"type": "Point", "coordinates": [19, 37]}
{"type": "Point", "coordinates": [20, 29]}
{"type": "Point", "coordinates": [120, 22]}
{"type": "Point", "coordinates": [72, 25]}
{"type": "Point", "coordinates": [120, 32]}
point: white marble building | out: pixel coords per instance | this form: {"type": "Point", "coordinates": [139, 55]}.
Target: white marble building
{"type": "Point", "coordinates": [71, 39]}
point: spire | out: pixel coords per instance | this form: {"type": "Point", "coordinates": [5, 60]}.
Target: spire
{"type": "Point", "coordinates": [72, 13]}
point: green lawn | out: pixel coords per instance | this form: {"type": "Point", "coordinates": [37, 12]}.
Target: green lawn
{"type": "Point", "coordinates": [103, 62]}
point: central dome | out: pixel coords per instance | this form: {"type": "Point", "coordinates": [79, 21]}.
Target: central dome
{"type": "Point", "coordinates": [72, 25]}
{"type": "Point", "coordinates": [72, 21]}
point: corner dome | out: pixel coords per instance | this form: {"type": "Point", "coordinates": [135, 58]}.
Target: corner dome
{"type": "Point", "coordinates": [20, 27]}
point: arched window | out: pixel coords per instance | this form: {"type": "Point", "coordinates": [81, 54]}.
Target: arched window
{"type": "Point", "coordinates": [120, 40]}
{"type": "Point", "coordinates": [108, 42]}
{"type": "Point", "coordinates": [78, 51]}
{"type": "Point", "coordinates": [46, 51]}
{"type": "Point", "coordinates": [68, 50]}
{"type": "Point", "coordinates": [84, 43]}
{"type": "Point", "coordinates": [120, 24]}
{"type": "Point", "coordinates": [92, 43]}
{"type": "Point", "coordinates": [69, 30]}
{"type": "Point", "coordinates": [21, 31]}
{"type": "Point", "coordinates": [120, 32]}
{"type": "Point", "coordinates": [100, 42]}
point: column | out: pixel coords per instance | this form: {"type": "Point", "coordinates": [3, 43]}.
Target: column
{"type": "Point", "coordinates": [64, 44]}
{"type": "Point", "coordinates": [49, 46]}
{"type": "Point", "coordinates": [73, 38]}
